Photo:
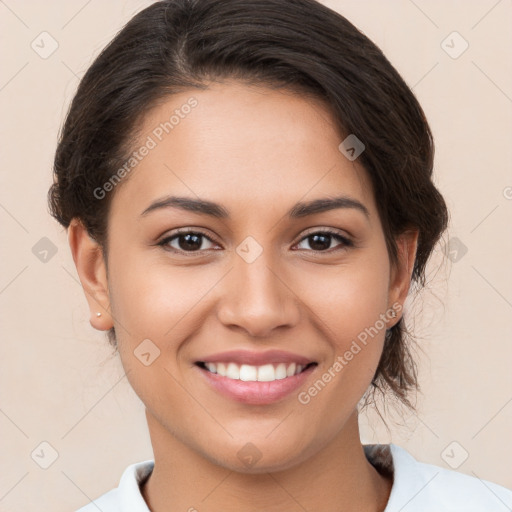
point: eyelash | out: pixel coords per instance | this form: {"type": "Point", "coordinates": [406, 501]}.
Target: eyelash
{"type": "Point", "coordinates": [164, 243]}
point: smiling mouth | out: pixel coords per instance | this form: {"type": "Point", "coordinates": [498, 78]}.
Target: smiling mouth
{"type": "Point", "coordinates": [249, 373]}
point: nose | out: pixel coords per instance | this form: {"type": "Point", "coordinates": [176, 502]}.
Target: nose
{"type": "Point", "coordinates": [257, 297]}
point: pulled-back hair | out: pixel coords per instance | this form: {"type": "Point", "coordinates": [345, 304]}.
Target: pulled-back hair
{"type": "Point", "coordinates": [301, 45]}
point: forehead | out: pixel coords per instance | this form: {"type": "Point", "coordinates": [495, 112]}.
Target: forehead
{"type": "Point", "coordinates": [249, 145]}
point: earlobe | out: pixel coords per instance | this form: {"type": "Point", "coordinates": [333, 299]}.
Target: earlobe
{"type": "Point", "coordinates": [90, 265]}
{"type": "Point", "coordinates": [400, 277]}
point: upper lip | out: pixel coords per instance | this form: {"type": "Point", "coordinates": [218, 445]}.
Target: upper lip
{"type": "Point", "coordinates": [255, 358]}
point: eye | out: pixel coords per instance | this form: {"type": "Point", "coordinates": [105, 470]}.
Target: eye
{"type": "Point", "coordinates": [319, 241]}
{"type": "Point", "coordinates": [185, 241]}
{"type": "Point", "coordinates": [188, 241]}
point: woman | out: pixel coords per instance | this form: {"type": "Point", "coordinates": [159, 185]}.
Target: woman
{"type": "Point", "coordinates": [247, 187]}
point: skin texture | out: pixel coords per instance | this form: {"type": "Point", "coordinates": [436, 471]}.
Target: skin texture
{"type": "Point", "coordinates": [257, 152]}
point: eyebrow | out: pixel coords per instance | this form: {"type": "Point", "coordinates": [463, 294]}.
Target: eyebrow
{"type": "Point", "coordinates": [202, 206]}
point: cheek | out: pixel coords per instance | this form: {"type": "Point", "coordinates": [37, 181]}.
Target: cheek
{"type": "Point", "coordinates": [154, 299]}
{"type": "Point", "coordinates": [348, 303]}
{"type": "Point", "coordinates": [349, 298]}
{"type": "Point", "coordinates": [153, 306]}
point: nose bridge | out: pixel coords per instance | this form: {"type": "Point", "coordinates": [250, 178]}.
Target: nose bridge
{"type": "Point", "coordinates": [256, 299]}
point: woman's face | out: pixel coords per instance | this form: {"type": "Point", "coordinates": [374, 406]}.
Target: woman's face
{"type": "Point", "coordinates": [257, 287]}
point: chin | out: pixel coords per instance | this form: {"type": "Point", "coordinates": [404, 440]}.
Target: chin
{"type": "Point", "coordinates": [261, 456]}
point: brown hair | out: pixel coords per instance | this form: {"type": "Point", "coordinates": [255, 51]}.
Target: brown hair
{"type": "Point", "coordinates": [178, 45]}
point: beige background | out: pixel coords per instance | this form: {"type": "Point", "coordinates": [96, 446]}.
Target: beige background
{"type": "Point", "coordinates": [59, 383]}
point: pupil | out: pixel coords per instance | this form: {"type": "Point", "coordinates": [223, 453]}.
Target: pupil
{"type": "Point", "coordinates": [320, 245]}
{"type": "Point", "coordinates": [192, 241]}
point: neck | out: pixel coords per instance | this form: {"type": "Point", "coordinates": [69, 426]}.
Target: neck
{"type": "Point", "coordinates": [337, 478]}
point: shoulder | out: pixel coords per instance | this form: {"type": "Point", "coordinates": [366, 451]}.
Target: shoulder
{"type": "Point", "coordinates": [126, 497]}
{"type": "Point", "coordinates": [421, 487]}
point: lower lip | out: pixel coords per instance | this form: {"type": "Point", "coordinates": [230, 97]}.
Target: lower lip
{"type": "Point", "coordinates": [255, 392]}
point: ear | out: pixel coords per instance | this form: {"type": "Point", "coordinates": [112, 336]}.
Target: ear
{"type": "Point", "coordinates": [400, 277]}
{"type": "Point", "coordinates": [91, 268]}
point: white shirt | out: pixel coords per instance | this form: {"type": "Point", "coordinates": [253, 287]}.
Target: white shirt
{"type": "Point", "coordinates": [417, 487]}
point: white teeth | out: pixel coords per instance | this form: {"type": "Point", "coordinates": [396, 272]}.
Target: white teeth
{"type": "Point", "coordinates": [281, 371]}
{"type": "Point", "coordinates": [233, 371]}
{"type": "Point", "coordinates": [249, 373]}
{"type": "Point", "coordinates": [212, 367]}
{"type": "Point", "coordinates": [266, 373]}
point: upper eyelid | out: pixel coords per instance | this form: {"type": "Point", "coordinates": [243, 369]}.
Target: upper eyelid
{"type": "Point", "coordinates": [332, 231]}
{"type": "Point", "coordinates": [182, 231]}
